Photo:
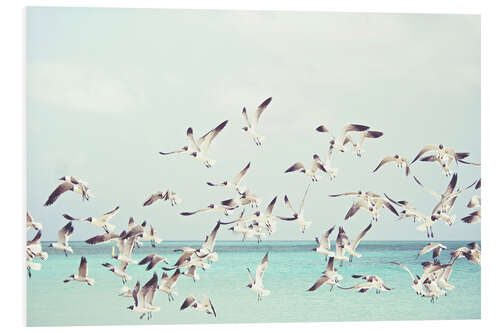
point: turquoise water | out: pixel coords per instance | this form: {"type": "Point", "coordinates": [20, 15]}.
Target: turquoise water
{"type": "Point", "coordinates": [292, 269]}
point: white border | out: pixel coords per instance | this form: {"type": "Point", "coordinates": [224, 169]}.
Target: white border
{"type": "Point", "coordinates": [12, 40]}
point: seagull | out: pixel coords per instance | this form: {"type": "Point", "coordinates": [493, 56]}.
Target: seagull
{"type": "Point", "coordinates": [119, 271]}
{"type": "Point", "coordinates": [378, 203]}
{"type": "Point", "coordinates": [324, 244]}
{"type": "Point", "coordinates": [352, 246]}
{"type": "Point", "coordinates": [167, 284]}
{"type": "Point", "coordinates": [471, 252]}
{"type": "Point", "coordinates": [339, 144]}
{"type": "Point", "coordinates": [368, 196]}
{"type": "Point", "coordinates": [330, 277]}
{"type": "Point", "coordinates": [442, 153]}
{"type": "Point", "coordinates": [235, 182]}
{"type": "Point", "coordinates": [152, 260]}
{"type": "Point", "coordinates": [446, 199]}
{"type": "Point", "coordinates": [143, 298]}
{"type": "Point", "coordinates": [68, 184]}
{"type": "Point", "coordinates": [297, 217]}
{"type": "Point", "coordinates": [371, 281]}
{"type": "Point", "coordinates": [427, 225]}
{"type": "Point", "coordinates": [434, 247]}
{"type": "Point", "coordinates": [245, 230]}
{"type": "Point", "coordinates": [212, 207]}
{"type": "Point", "coordinates": [30, 223]}
{"type": "Point", "coordinates": [246, 198]}
{"type": "Point", "coordinates": [418, 281]}
{"type": "Point", "coordinates": [251, 127]}
{"type": "Point", "coordinates": [101, 222]}
{"type": "Point", "coordinates": [364, 135]}
{"type": "Point", "coordinates": [316, 165]}
{"type": "Point", "coordinates": [152, 236]}
{"type": "Point", "coordinates": [159, 195]}
{"type": "Point", "coordinates": [204, 306]}
{"type": "Point", "coordinates": [82, 275]}
{"type": "Point", "coordinates": [207, 247]}
{"type": "Point", "coordinates": [63, 238]}
{"type": "Point", "coordinates": [256, 284]}
{"type": "Point", "coordinates": [400, 163]}
{"type": "Point", "coordinates": [199, 149]}
{"type": "Point", "coordinates": [125, 247]}
{"type": "Point", "coordinates": [31, 265]}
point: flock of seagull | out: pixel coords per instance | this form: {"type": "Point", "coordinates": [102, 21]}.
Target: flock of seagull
{"type": "Point", "coordinates": [432, 283]}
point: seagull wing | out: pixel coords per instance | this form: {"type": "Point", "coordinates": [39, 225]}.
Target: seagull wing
{"type": "Point", "coordinates": [295, 167]}
{"type": "Point", "coordinates": [245, 116]}
{"type": "Point", "coordinates": [321, 281]}
{"type": "Point", "coordinates": [352, 128]}
{"type": "Point", "coordinates": [205, 141]}
{"type": "Point", "coordinates": [190, 300]}
{"type": "Point", "coordinates": [63, 187]}
{"type": "Point", "coordinates": [355, 244]}
{"type": "Point", "coordinates": [261, 109]}
{"type": "Point", "coordinates": [270, 207]}
{"type": "Point", "coordinates": [82, 270]}
{"type": "Point", "coordinates": [301, 210]}
{"type": "Point", "coordinates": [384, 161]}
{"type": "Point", "coordinates": [241, 174]}
{"type": "Point", "coordinates": [423, 151]}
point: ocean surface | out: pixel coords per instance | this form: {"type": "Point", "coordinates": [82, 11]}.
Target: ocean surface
{"type": "Point", "coordinates": [292, 269]}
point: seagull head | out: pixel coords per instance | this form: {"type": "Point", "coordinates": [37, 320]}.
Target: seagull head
{"type": "Point", "coordinates": [245, 128]}
{"type": "Point", "coordinates": [131, 307]}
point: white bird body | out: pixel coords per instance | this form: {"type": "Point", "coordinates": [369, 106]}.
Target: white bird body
{"type": "Point", "coordinates": [82, 275]}
{"type": "Point", "coordinates": [63, 239]}
{"type": "Point", "coordinates": [324, 244]}
{"type": "Point", "coordinates": [312, 173]}
{"type": "Point", "coordinates": [31, 223]}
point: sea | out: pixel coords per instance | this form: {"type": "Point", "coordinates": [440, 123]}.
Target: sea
{"type": "Point", "coordinates": [292, 269]}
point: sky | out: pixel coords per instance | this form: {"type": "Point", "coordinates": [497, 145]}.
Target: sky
{"type": "Point", "coordinates": [109, 88]}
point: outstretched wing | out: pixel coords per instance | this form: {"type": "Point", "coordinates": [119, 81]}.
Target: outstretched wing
{"type": "Point", "coordinates": [241, 174]}
{"type": "Point", "coordinates": [261, 109]}
{"type": "Point", "coordinates": [384, 161]}
{"type": "Point", "coordinates": [423, 151]}
{"type": "Point", "coordinates": [63, 187]}
{"type": "Point", "coordinates": [205, 141]}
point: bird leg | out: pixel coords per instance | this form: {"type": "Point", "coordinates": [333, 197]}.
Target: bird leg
{"type": "Point", "coordinates": [29, 272]}
{"type": "Point", "coordinates": [65, 253]}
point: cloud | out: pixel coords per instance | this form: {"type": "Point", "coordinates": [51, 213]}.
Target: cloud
{"type": "Point", "coordinates": [79, 88]}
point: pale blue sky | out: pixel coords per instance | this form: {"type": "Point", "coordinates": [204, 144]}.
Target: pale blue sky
{"type": "Point", "coordinates": [109, 88]}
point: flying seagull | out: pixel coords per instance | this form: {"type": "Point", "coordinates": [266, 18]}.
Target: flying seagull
{"type": "Point", "coordinates": [358, 146]}
{"type": "Point", "coordinates": [324, 244]}
{"type": "Point", "coordinates": [211, 208]}
{"type": "Point", "coordinates": [330, 277]}
{"type": "Point", "coordinates": [434, 247]}
{"type": "Point", "coordinates": [199, 148]}
{"type": "Point", "coordinates": [339, 144]}
{"type": "Point", "coordinates": [312, 172]}
{"type": "Point", "coordinates": [252, 125]}
{"type": "Point", "coordinates": [63, 235]}
{"type": "Point", "coordinates": [297, 217]}
{"type": "Point", "coordinates": [143, 298]}
{"type": "Point", "coordinates": [82, 275]}
{"type": "Point", "coordinates": [371, 282]}
{"type": "Point", "coordinates": [152, 260]}
{"type": "Point", "coordinates": [256, 285]}
{"type": "Point", "coordinates": [235, 182]}
{"type": "Point", "coordinates": [204, 306]}
{"type": "Point", "coordinates": [119, 271]}
{"type": "Point", "coordinates": [101, 222]}
{"type": "Point", "coordinates": [400, 163]}
{"type": "Point", "coordinates": [167, 284]}
{"type": "Point", "coordinates": [69, 184]}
